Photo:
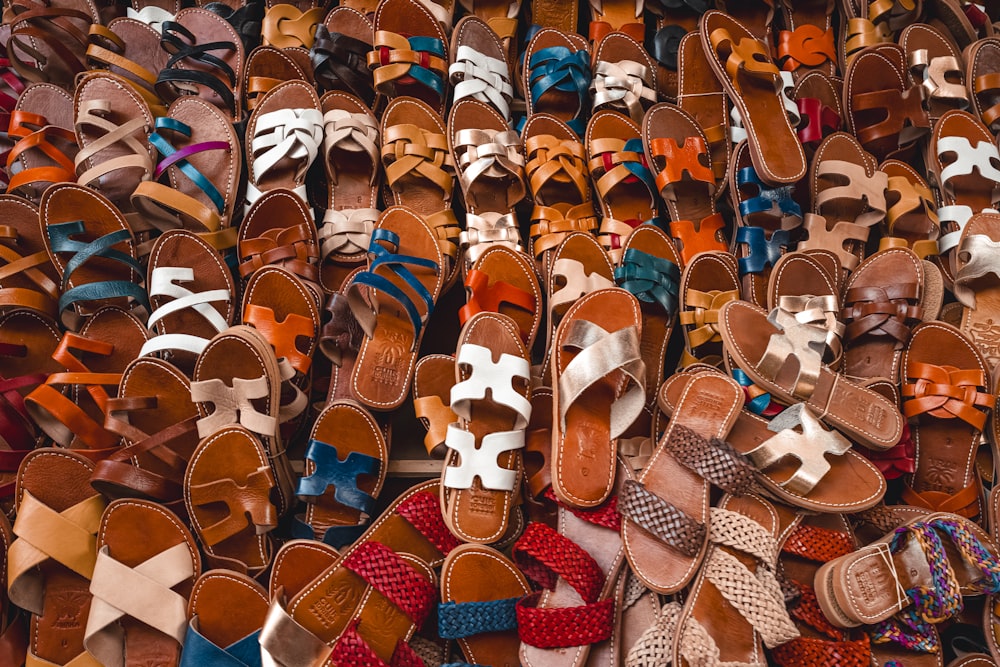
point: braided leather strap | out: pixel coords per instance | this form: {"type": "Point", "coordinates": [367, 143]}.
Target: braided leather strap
{"type": "Point", "coordinates": [810, 652]}
{"type": "Point", "coordinates": [464, 619]}
{"type": "Point", "coordinates": [881, 311]}
{"type": "Point", "coordinates": [605, 515]}
{"type": "Point", "coordinates": [654, 647]}
{"type": "Point", "coordinates": [544, 555]}
{"type": "Point", "coordinates": [714, 459]}
{"type": "Point", "coordinates": [817, 544]}
{"type": "Point", "coordinates": [423, 512]}
{"type": "Point", "coordinates": [564, 627]}
{"type": "Point", "coordinates": [394, 578]}
{"type": "Point", "coordinates": [353, 650]}
{"type": "Point", "coordinates": [668, 523]}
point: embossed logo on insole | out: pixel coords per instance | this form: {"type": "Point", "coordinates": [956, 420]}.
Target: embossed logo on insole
{"type": "Point", "coordinates": [871, 414]}
{"type": "Point", "coordinates": [482, 503]}
{"type": "Point", "coordinates": [704, 405]}
{"type": "Point", "coordinates": [69, 605]}
{"type": "Point", "coordinates": [986, 337]}
{"type": "Point", "coordinates": [388, 359]}
{"type": "Point", "coordinates": [938, 474]}
{"type": "Point", "coordinates": [338, 596]}
{"type": "Point", "coordinates": [872, 585]}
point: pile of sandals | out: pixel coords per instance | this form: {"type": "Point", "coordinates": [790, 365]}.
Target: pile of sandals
{"type": "Point", "coordinates": [689, 312]}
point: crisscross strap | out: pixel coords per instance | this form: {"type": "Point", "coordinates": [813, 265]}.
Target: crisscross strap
{"type": "Point", "coordinates": [49, 25]}
{"type": "Point", "coordinates": [476, 75]}
{"type": "Point", "coordinates": [692, 158]}
{"type": "Point", "coordinates": [293, 248]}
{"type": "Point", "coordinates": [616, 161]}
{"type": "Point", "coordinates": [182, 44]}
{"type": "Point", "coordinates": [890, 310]}
{"type": "Point", "coordinates": [410, 152]}
{"type": "Point", "coordinates": [937, 75]}
{"type": "Point", "coordinates": [465, 619]}
{"type": "Point", "coordinates": [544, 555]}
{"type": "Point", "coordinates": [143, 593]}
{"type": "Point", "coordinates": [850, 183]}
{"type": "Point", "coordinates": [905, 115]}
{"type": "Point", "coordinates": [284, 134]}
{"type": "Point", "coordinates": [60, 240]}
{"type": "Point", "coordinates": [423, 511]}
{"type": "Point", "coordinates": [396, 264]}
{"type": "Point", "coordinates": [712, 458]}
{"type": "Point", "coordinates": [340, 63]}
{"type": "Point", "coordinates": [810, 447]}
{"type": "Point", "coordinates": [561, 160]}
{"type": "Point", "coordinates": [776, 202]}
{"type": "Point", "coordinates": [481, 461]}
{"type": "Point", "coordinates": [246, 502]}
{"type": "Point", "coordinates": [164, 282]}
{"type": "Point", "coordinates": [491, 154]}
{"type": "Point", "coordinates": [819, 237]}
{"type": "Point", "coordinates": [650, 278]}
{"type": "Point", "coordinates": [808, 45]}
{"type": "Point", "coordinates": [394, 578]}
{"type": "Point", "coordinates": [351, 132]}
{"type": "Point", "coordinates": [34, 132]}
{"type": "Point", "coordinates": [804, 342]}
{"type": "Point", "coordinates": [981, 159]}
{"type": "Point", "coordinates": [575, 282]}
{"type": "Point", "coordinates": [396, 58]}
{"type": "Point", "coordinates": [747, 57]}
{"type": "Point", "coordinates": [12, 263]}
{"type": "Point", "coordinates": [497, 378]}
{"type": "Point", "coordinates": [559, 68]}
{"type": "Point", "coordinates": [816, 311]}
{"type": "Point", "coordinates": [817, 120]}
{"type": "Point", "coordinates": [92, 114]}
{"type": "Point", "coordinates": [68, 537]}
{"type": "Point", "coordinates": [233, 404]}
{"type": "Point", "coordinates": [352, 649]}
{"type": "Point", "coordinates": [550, 225]}
{"type": "Point", "coordinates": [283, 335]}
{"type": "Point", "coordinates": [107, 49]}
{"type": "Point", "coordinates": [347, 231]}
{"type": "Point", "coordinates": [625, 86]}
{"type": "Point", "coordinates": [701, 311]}
{"type": "Point", "coordinates": [947, 392]}
{"type": "Point", "coordinates": [199, 650]}
{"type": "Point", "coordinates": [342, 475]}
{"type": "Point", "coordinates": [485, 297]}
{"type": "Point", "coordinates": [669, 524]}
{"type": "Point", "coordinates": [762, 252]}
{"type": "Point", "coordinates": [285, 26]}
{"type": "Point", "coordinates": [487, 229]}
{"type": "Point", "coordinates": [600, 353]}
{"type": "Point", "coordinates": [978, 252]}
{"type": "Point", "coordinates": [655, 645]}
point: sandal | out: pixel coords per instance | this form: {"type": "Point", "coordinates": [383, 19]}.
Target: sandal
{"type": "Point", "coordinates": [189, 307]}
{"type": "Point", "coordinates": [624, 77]}
{"type": "Point", "coordinates": [480, 589]}
{"type": "Point", "coordinates": [983, 78]}
{"type": "Point", "coordinates": [130, 49]}
{"type": "Point", "coordinates": [765, 352]}
{"type": "Point", "coordinates": [948, 395]}
{"type": "Point", "coordinates": [665, 510]}
{"type": "Point", "coordinates": [92, 247]}
{"type": "Point", "coordinates": [556, 76]}
{"type": "Point", "coordinates": [433, 378]}
{"type": "Point", "coordinates": [147, 562]}
{"type": "Point", "coordinates": [28, 278]}
{"type": "Point", "coordinates": [911, 216]}
{"type": "Point", "coordinates": [48, 43]}
{"type": "Point", "coordinates": [51, 561]}
{"type": "Point", "coordinates": [406, 262]}
{"type": "Point", "coordinates": [339, 54]}
{"type": "Point", "coordinates": [287, 26]}
{"type": "Point", "coordinates": [807, 42]}
{"type": "Point", "coordinates": [345, 469]}
{"type": "Point", "coordinates": [937, 65]}
{"type": "Point", "coordinates": [268, 67]}
{"type": "Point", "coordinates": [503, 281]}
{"type": "Point", "coordinates": [817, 97]}
{"type": "Point", "coordinates": [803, 288]}
{"type": "Point", "coordinates": [675, 146]}
{"type": "Point", "coordinates": [707, 283]}
{"type": "Point", "coordinates": [621, 16]}
{"type": "Point", "coordinates": [479, 66]}
{"type": "Point", "coordinates": [701, 96]}
{"type": "Point", "coordinates": [755, 90]}
{"type": "Point", "coordinates": [479, 512]}
{"type": "Point", "coordinates": [227, 612]}
{"type": "Point", "coordinates": [975, 283]}
{"type": "Point", "coordinates": [45, 147]}
{"type": "Point", "coordinates": [598, 382]}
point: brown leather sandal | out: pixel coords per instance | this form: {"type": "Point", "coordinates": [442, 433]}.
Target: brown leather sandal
{"type": "Point", "coordinates": [708, 281]}
{"type": "Point", "coordinates": [42, 123]}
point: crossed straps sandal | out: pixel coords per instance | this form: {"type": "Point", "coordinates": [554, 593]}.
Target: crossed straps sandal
{"type": "Point", "coordinates": [285, 26]}
{"type": "Point", "coordinates": [557, 76]}
{"type": "Point", "coordinates": [479, 69]}
{"type": "Point", "coordinates": [129, 48]}
{"type": "Point", "coordinates": [47, 44]}
{"type": "Point", "coordinates": [624, 77]}
{"type": "Point", "coordinates": [339, 54]}
{"type": "Point", "coordinates": [41, 127]}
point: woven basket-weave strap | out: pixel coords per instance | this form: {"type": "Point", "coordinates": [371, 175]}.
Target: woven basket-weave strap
{"type": "Point", "coordinates": [544, 555]}
{"type": "Point", "coordinates": [812, 652]}
{"type": "Point", "coordinates": [654, 646]}
{"type": "Point", "coordinates": [605, 514]}
{"type": "Point", "coordinates": [806, 610]}
{"type": "Point", "coordinates": [351, 649]}
{"type": "Point", "coordinates": [394, 578]}
{"type": "Point", "coordinates": [668, 523]}
{"type": "Point", "coordinates": [817, 544]}
{"type": "Point", "coordinates": [714, 459]}
{"type": "Point", "coordinates": [464, 619]}
{"type": "Point", "coordinates": [423, 512]}
{"type": "Point", "coordinates": [565, 626]}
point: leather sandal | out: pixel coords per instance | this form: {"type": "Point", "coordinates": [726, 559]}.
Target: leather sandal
{"type": "Point", "coordinates": [884, 110]}
{"type": "Point", "coordinates": [936, 64]}
{"type": "Point", "coordinates": [45, 146]}
{"type": "Point", "coordinates": [130, 48]}
{"type": "Point", "coordinates": [206, 56]}
{"type": "Point", "coordinates": [414, 66]}
{"type": "Point", "coordinates": [196, 182]}
{"type": "Point", "coordinates": [982, 60]}
{"type": "Point", "coordinates": [624, 76]}
{"type": "Point", "coordinates": [622, 178]}
{"type": "Point", "coordinates": [497, 422]}
{"type": "Point", "coordinates": [556, 76]}
{"type": "Point", "coordinates": [433, 378]}
{"type": "Point", "coordinates": [406, 262]}
{"type": "Point", "coordinates": [707, 282]}
{"type": "Point", "coordinates": [952, 20]}
{"type": "Point", "coordinates": [948, 395]}
{"type": "Point", "coordinates": [716, 620]}
{"type": "Point", "coordinates": [480, 588]}
{"type": "Point", "coordinates": [284, 136]}
{"type": "Point", "coordinates": [701, 95]}
{"type": "Point", "coordinates": [821, 112]}
{"type": "Point", "coordinates": [479, 66]}
{"type": "Point", "coordinates": [807, 42]}
{"type": "Point", "coordinates": [98, 266]}
{"type": "Point", "coordinates": [339, 341]}
{"type": "Point", "coordinates": [503, 281]}
{"type": "Point", "coordinates": [975, 283]}
{"type": "Point", "coordinates": [269, 66]}
{"type": "Point", "coordinates": [147, 562]}
{"type": "Point", "coordinates": [598, 381]}
{"type": "Point", "coordinates": [350, 136]}
{"type": "Point", "coordinates": [559, 185]}
{"type": "Point", "coordinates": [962, 159]}
{"type": "Point", "coordinates": [911, 213]}
{"type": "Point", "coordinates": [622, 16]}
{"type": "Point", "coordinates": [13, 628]}
{"type": "Point", "coordinates": [804, 288]}
{"type": "Point", "coordinates": [762, 350]}
{"type": "Point", "coordinates": [768, 225]}
{"type": "Point", "coordinates": [287, 26]}
{"type": "Point", "coordinates": [154, 415]}
{"type": "Point", "coordinates": [339, 53]}
{"type": "Point", "coordinates": [112, 129]}
{"type": "Point", "coordinates": [420, 171]}
{"type": "Point", "coordinates": [848, 199]}
{"type": "Point", "coordinates": [245, 16]}
{"type": "Point", "coordinates": [191, 292]}
{"type": "Point", "coordinates": [883, 300]}
{"type": "Point", "coordinates": [649, 270]}
{"type": "Point", "coordinates": [345, 467]}
{"type": "Point", "coordinates": [71, 406]}
{"type": "Point", "coordinates": [577, 567]}
{"type": "Point", "coordinates": [28, 279]}
{"type": "Point", "coordinates": [665, 510]}
{"type": "Point", "coordinates": [48, 43]}
{"type": "Point", "coordinates": [227, 611]}
{"type": "Point", "coordinates": [51, 561]}
{"type": "Point", "coordinates": [227, 491]}
{"type": "Point", "coordinates": [678, 152]}
{"type": "Point", "coordinates": [755, 90]}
